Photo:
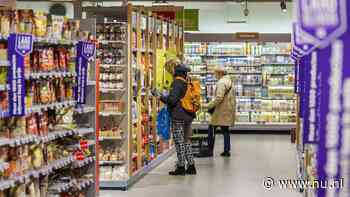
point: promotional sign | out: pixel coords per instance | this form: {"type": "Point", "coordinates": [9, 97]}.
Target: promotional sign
{"type": "Point", "coordinates": [333, 122]}
{"type": "Point", "coordinates": [85, 51]}
{"type": "Point", "coordinates": [296, 74]}
{"type": "Point", "coordinates": [322, 20]}
{"type": "Point", "coordinates": [302, 43]}
{"type": "Point", "coordinates": [312, 135]}
{"type": "Point", "coordinates": [19, 46]}
{"type": "Point", "coordinates": [305, 96]}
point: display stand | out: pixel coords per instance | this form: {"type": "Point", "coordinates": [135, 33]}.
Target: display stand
{"type": "Point", "coordinates": [132, 132]}
{"type": "Point", "coordinates": [47, 130]}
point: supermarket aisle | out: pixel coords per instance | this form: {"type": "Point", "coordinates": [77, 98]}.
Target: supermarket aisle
{"type": "Point", "coordinates": [254, 157]}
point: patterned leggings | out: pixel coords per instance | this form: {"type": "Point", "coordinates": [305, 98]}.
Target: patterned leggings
{"type": "Point", "coordinates": [183, 147]}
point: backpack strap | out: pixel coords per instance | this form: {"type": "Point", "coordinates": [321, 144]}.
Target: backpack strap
{"type": "Point", "coordinates": [181, 78]}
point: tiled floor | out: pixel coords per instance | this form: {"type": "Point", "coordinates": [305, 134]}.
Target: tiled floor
{"type": "Point", "coordinates": [253, 158]}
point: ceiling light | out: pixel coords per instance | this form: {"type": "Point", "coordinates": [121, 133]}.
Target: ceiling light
{"type": "Point", "coordinates": [160, 2]}
{"type": "Point", "coordinates": [283, 6]}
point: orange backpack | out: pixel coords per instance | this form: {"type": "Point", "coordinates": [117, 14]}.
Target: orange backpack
{"type": "Point", "coordinates": [191, 102]}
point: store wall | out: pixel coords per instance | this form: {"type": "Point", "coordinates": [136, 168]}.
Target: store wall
{"type": "Point", "coordinates": [213, 16]}
{"type": "Point", "coordinates": [44, 6]}
{"type": "Point", "coordinates": [264, 17]}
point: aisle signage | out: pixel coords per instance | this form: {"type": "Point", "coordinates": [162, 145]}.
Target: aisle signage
{"type": "Point", "coordinates": [19, 46]}
{"type": "Point", "coordinates": [312, 135]}
{"type": "Point", "coordinates": [302, 42]}
{"type": "Point", "coordinates": [322, 20]}
{"type": "Point", "coordinates": [85, 52]}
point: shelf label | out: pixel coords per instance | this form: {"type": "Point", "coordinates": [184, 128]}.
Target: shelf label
{"type": "Point", "coordinates": [85, 52]}
{"type": "Point", "coordinates": [19, 46]}
{"type": "Point", "coordinates": [322, 20]}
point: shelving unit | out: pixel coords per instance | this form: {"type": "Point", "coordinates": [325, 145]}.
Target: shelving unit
{"type": "Point", "coordinates": [129, 134]}
{"type": "Point", "coordinates": [264, 80]}
{"type": "Point", "coordinates": [53, 139]}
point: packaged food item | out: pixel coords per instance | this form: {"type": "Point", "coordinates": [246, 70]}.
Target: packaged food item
{"type": "Point", "coordinates": [37, 156]}
{"type": "Point", "coordinates": [4, 101]}
{"type": "Point", "coordinates": [29, 100]}
{"type": "Point", "coordinates": [24, 21]}
{"type": "Point", "coordinates": [3, 53]}
{"type": "Point", "coordinates": [31, 124]}
{"type": "Point", "coordinates": [57, 26]}
{"type": "Point", "coordinates": [64, 119]}
{"type": "Point", "coordinates": [6, 23]}
{"type": "Point", "coordinates": [62, 59]}
{"type": "Point", "coordinates": [43, 123]}
{"type": "Point", "coordinates": [40, 24]}
{"type": "Point", "coordinates": [45, 95]}
{"type": "Point", "coordinates": [69, 88]}
{"type": "Point", "coordinates": [17, 127]}
{"type": "Point", "coordinates": [66, 30]}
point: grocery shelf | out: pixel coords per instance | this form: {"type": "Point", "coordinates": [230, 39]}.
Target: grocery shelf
{"type": "Point", "coordinates": [251, 126]}
{"type": "Point", "coordinates": [112, 113]}
{"type": "Point", "coordinates": [279, 64]}
{"type": "Point", "coordinates": [124, 185]}
{"type": "Point", "coordinates": [43, 171]}
{"type": "Point", "coordinates": [107, 90]}
{"type": "Point", "coordinates": [53, 135]}
{"type": "Point", "coordinates": [117, 163]}
{"type": "Point", "coordinates": [84, 162]}
{"type": "Point", "coordinates": [44, 107]}
{"type": "Point", "coordinates": [77, 184]}
{"type": "Point", "coordinates": [91, 83]}
{"type": "Point", "coordinates": [85, 109]}
{"type": "Point", "coordinates": [110, 138]}
{"type": "Point", "coordinates": [37, 75]}
{"type": "Point", "coordinates": [4, 63]}
{"type": "Point", "coordinates": [113, 42]}
{"type": "Point", "coordinates": [112, 66]}
{"type": "Point", "coordinates": [264, 98]}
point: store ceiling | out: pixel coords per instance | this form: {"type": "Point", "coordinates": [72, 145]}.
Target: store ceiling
{"type": "Point", "coordinates": [206, 0]}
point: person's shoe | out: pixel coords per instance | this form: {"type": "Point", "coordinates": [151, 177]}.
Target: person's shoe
{"type": "Point", "coordinates": [226, 154]}
{"type": "Point", "coordinates": [191, 170]}
{"type": "Point", "coordinates": [179, 171]}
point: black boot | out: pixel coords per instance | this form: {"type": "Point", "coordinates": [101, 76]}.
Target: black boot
{"type": "Point", "coordinates": [226, 154]}
{"type": "Point", "coordinates": [179, 171]}
{"type": "Point", "coordinates": [191, 170]}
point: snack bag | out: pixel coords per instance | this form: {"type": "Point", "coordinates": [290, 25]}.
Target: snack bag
{"type": "Point", "coordinates": [40, 24]}
{"type": "Point", "coordinates": [57, 26]}
{"type": "Point", "coordinates": [5, 23]}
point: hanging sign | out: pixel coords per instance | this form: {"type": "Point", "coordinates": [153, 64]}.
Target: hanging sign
{"type": "Point", "coordinates": [305, 96]}
{"type": "Point", "coordinates": [312, 136]}
{"type": "Point", "coordinates": [85, 51]}
{"type": "Point", "coordinates": [19, 45]}
{"type": "Point", "coordinates": [332, 105]}
{"type": "Point", "coordinates": [302, 43]}
{"type": "Point", "coordinates": [322, 20]}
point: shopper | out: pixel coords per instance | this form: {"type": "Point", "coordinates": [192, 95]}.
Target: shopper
{"type": "Point", "coordinates": [223, 108]}
{"type": "Point", "coordinates": [181, 121]}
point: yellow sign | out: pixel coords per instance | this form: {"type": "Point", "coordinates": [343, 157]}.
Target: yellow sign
{"type": "Point", "coordinates": [164, 77]}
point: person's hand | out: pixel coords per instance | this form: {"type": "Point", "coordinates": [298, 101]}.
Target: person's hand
{"type": "Point", "coordinates": [155, 93]}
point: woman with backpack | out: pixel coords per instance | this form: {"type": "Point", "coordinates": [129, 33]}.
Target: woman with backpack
{"type": "Point", "coordinates": [223, 108]}
{"type": "Point", "coordinates": [181, 121]}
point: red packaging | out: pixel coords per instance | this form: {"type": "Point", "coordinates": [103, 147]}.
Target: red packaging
{"type": "Point", "coordinates": [31, 125]}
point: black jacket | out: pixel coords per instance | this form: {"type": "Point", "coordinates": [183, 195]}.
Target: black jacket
{"type": "Point", "coordinates": [173, 100]}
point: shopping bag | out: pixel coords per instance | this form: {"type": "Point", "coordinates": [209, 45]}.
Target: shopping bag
{"type": "Point", "coordinates": [163, 123]}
